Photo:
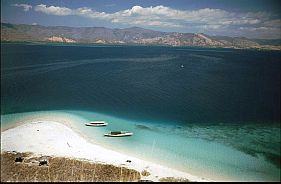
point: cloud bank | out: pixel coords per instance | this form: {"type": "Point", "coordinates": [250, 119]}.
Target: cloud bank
{"type": "Point", "coordinates": [53, 10]}
{"type": "Point", "coordinates": [207, 20]}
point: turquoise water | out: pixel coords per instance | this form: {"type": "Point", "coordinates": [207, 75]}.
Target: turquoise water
{"type": "Point", "coordinates": [217, 117]}
{"type": "Point", "coordinates": [173, 146]}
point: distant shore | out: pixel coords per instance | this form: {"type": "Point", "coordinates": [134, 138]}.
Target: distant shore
{"type": "Point", "coordinates": [134, 35]}
{"type": "Point", "coordinates": [262, 48]}
{"type": "Point", "coordinates": [57, 138]}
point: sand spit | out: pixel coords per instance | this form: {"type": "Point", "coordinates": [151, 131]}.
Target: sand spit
{"type": "Point", "coordinates": [59, 140]}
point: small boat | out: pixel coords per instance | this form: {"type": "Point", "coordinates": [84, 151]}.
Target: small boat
{"type": "Point", "coordinates": [96, 123]}
{"type": "Point", "coordinates": [118, 134]}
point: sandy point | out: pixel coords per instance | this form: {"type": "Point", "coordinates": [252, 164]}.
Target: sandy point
{"type": "Point", "coordinates": [59, 139]}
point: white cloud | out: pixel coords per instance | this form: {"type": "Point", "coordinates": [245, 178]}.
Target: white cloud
{"type": "Point", "coordinates": [240, 22]}
{"type": "Point", "coordinates": [262, 32]}
{"type": "Point", "coordinates": [160, 16]}
{"type": "Point", "coordinates": [53, 10]}
{"type": "Point", "coordinates": [25, 7]}
{"type": "Point", "coordinates": [206, 19]}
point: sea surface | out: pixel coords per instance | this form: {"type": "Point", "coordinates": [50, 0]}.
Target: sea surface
{"type": "Point", "coordinates": [210, 112]}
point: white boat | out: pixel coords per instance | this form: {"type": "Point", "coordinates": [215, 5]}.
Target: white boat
{"type": "Point", "coordinates": [96, 123]}
{"type": "Point", "coordinates": [118, 134]}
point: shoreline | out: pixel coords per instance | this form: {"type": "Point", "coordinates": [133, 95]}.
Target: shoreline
{"type": "Point", "coordinates": [63, 139]}
{"type": "Point", "coordinates": [58, 43]}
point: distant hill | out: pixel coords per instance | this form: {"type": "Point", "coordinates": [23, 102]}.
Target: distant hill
{"type": "Point", "coordinates": [276, 42]}
{"type": "Point", "coordinates": [133, 35]}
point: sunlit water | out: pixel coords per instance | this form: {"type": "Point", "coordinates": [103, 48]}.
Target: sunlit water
{"type": "Point", "coordinates": [214, 113]}
{"type": "Point", "coordinates": [188, 149]}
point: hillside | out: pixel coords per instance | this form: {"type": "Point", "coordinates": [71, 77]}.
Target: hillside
{"type": "Point", "coordinates": [133, 35]}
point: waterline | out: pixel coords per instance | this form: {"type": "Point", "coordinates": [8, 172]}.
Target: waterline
{"type": "Point", "coordinates": [164, 145]}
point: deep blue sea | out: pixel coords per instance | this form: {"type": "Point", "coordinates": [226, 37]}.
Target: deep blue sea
{"type": "Point", "coordinates": [228, 99]}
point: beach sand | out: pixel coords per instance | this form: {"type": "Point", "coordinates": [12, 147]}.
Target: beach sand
{"type": "Point", "coordinates": [59, 139]}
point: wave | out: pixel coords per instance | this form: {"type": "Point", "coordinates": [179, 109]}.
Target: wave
{"type": "Point", "coordinates": [204, 57]}
{"type": "Point", "coordinates": [44, 68]}
{"type": "Point", "coordinates": [205, 49]}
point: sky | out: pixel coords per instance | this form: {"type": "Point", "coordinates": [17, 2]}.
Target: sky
{"type": "Point", "coordinates": [247, 18]}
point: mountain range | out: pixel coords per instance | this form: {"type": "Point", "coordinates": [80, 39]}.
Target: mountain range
{"type": "Point", "coordinates": [133, 35]}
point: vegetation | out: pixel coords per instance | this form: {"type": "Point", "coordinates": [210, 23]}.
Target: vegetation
{"type": "Point", "coordinates": [145, 173]}
{"type": "Point", "coordinates": [61, 169]}
{"type": "Point", "coordinates": [172, 179]}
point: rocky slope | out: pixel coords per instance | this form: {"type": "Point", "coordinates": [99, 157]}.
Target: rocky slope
{"type": "Point", "coordinates": [133, 35]}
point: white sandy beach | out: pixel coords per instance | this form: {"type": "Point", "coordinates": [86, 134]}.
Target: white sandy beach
{"type": "Point", "coordinates": [58, 139]}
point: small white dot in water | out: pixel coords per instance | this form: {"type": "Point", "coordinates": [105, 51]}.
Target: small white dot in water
{"type": "Point", "coordinates": [182, 66]}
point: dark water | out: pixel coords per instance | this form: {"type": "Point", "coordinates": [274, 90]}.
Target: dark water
{"type": "Point", "coordinates": [220, 95]}
{"type": "Point", "coordinates": [183, 85]}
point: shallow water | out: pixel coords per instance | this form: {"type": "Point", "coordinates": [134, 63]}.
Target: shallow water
{"type": "Point", "coordinates": [184, 148]}
{"type": "Point", "coordinates": [217, 116]}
